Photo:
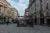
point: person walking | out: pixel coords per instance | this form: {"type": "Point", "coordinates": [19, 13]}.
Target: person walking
{"type": "Point", "coordinates": [7, 20]}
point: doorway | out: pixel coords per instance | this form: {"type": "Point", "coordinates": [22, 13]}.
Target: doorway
{"type": "Point", "coordinates": [35, 21]}
{"type": "Point", "coordinates": [41, 21]}
{"type": "Point", "coordinates": [48, 21]}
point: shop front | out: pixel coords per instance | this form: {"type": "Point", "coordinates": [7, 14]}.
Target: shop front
{"type": "Point", "coordinates": [2, 21]}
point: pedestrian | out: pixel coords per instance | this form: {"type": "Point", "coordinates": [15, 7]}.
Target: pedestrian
{"type": "Point", "coordinates": [31, 21]}
{"type": "Point", "coordinates": [7, 22]}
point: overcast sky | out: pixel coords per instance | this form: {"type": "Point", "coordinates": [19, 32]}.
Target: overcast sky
{"type": "Point", "coordinates": [20, 5]}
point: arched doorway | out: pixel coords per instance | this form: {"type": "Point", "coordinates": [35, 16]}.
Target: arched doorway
{"type": "Point", "coordinates": [41, 21]}
{"type": "Point", "coordinates": [35, 21]}
{"type": "Point", "coordinates": [48, 22]}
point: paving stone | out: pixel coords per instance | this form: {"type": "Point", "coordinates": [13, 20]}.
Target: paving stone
{"type": "Point", "coordinates": [11, 28]}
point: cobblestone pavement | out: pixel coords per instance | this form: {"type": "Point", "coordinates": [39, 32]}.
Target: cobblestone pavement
{"type": "Point", "coordinates": [11, 28]}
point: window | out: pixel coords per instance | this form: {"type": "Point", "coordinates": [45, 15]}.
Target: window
{"type": "Point", "coordinates": [47, 6]}
{"type": "Point", "coordinates": [40, 0]}
{"type": "Point", "coordinates": [34, 0]}
{"type": "Point", "coordinates": [0, 8]}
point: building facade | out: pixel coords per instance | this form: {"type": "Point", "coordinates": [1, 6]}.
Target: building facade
{"type": "Point", "coordinates": [7, 12]}
{"type": "Point", "coordinates": [40, 10]}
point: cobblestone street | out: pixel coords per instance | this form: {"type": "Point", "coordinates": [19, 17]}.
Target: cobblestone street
{"type": "Point", "coordinates": [11, 28]}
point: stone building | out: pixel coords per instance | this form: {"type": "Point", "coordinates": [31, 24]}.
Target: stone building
{"type": "Point", "coordinates": [7, 12]}
{"type": "Point", "coordinates": [14, 14]}
{"type": "Point", "coordinates": [40, 10]}
{"type": "Point", "coordinates": [26, 15]}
